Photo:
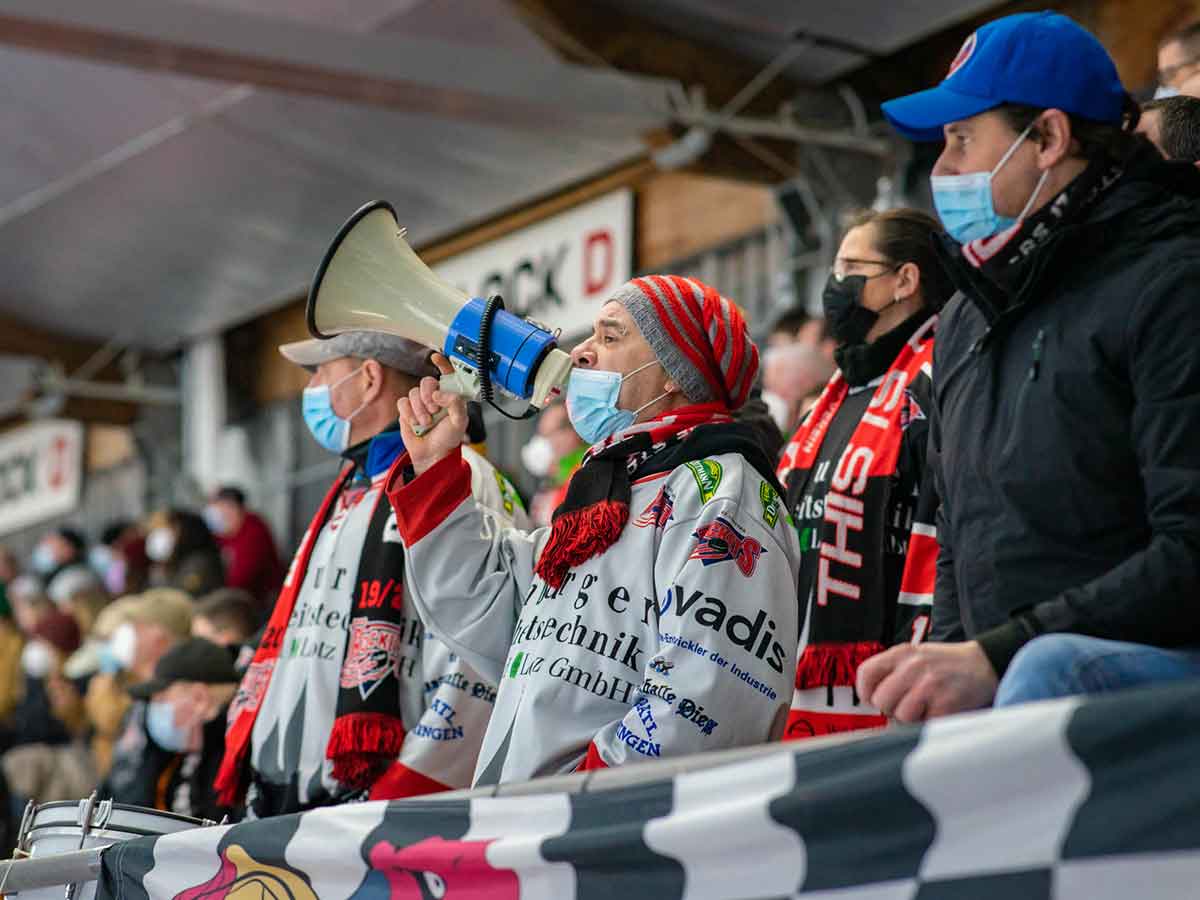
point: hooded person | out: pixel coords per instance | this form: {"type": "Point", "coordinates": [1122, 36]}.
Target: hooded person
{"type": "Point", "coordinates": [657, 615]}
{"type": "Point", "coordinates": [346, 697]}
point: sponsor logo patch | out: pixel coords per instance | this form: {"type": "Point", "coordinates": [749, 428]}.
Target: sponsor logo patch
{"type": "Point", "coordinates": [769, 499]}
{"type": "Point", "coordinates": [719, 542]}
{"type": "Point", "coordinates": [708, 474]}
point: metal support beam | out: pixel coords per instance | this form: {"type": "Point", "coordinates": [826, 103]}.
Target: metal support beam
{"type": "Point", "coordinates": [782, 129]}
{"type": "Point", "coordinates": [411, 74]}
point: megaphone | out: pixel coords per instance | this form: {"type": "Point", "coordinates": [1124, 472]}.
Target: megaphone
{"type": "Point", "coordinates": [371, 280]}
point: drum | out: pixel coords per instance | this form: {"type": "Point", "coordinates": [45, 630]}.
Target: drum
{"type": "Point", "coordinates": [67, 826]}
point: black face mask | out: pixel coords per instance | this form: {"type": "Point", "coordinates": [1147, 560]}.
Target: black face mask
{"type": "Point", "coordinates": [846, 319]}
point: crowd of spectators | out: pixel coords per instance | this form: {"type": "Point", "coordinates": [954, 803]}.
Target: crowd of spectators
{"type": "Point", "coordinates": [118, 656]}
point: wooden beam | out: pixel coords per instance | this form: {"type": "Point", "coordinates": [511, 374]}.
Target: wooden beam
{"type": "Point", "coordinates": [393, 71]}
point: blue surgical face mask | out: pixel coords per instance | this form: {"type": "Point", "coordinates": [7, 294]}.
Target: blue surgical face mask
{"type": "Point", "coordinates": [965, 205]}
{"type": "Point", "coordinates": [329, 429]}
{"type": "Point", "coordinates": [160, 725]}
{"type": "Point", "coordinates": [1162, 92]}
{"type": "Point", "coordinates": [592, 396]}
{"type": "Point", "coordinates": [42, 559]}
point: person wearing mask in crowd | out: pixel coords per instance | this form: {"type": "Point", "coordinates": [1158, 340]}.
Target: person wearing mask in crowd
{"type": "Point", "coordinates": [186, 701]}
{"type": "Point", "coordinates": [1173, 126]}
{"type": "Point", "coordinates": [106, 700]}
{"type": "Point", "coordinates": [1064, 414]}
{"type": "Point", "coordinates": [58, 549]}
{"type": "Point", "coordinates": [183, 553]}
{"type": "Point", "coordinates": [251, 559]}
{"type": "Point", "coordinates": [552, 456]}
{"type": "Point", "coordinates": [1178, 61]}
{"type": "Point", "coordinates": [119, 558]}
{"type": "Point", "coordinates": [47, 762]}
{"type": "Point", "coordinates": [334, 705]}
{"type": "Point", "coordinates": [157, 620]}
{"type": "Point", "coordinates": [854, 472]}
{"type": "Point", "coordinates": [792, 373]}
{"type": "Point", "coordinates": [657, 616]}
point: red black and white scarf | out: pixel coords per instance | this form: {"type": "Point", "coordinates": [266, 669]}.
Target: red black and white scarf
{"type": "Point", "coordinates": [852, 616]}
{"type": "Point", "coordinates": [596, 508]}
{"type": "Point", "coordinates": [367, 732]}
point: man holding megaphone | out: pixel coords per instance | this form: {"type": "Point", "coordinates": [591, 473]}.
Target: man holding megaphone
{"type": "Point", "coordinates": [347, 696]}
{"type": "Point", "coordinates": [657, 615]}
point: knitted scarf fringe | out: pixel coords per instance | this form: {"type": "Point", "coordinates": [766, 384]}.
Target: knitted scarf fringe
{"type": "Point", "coordinates": [578, 535]}
{"type": "Point", "coordinates": [822, 665]}
{"type": "Point", "coordinates": [361, 746]}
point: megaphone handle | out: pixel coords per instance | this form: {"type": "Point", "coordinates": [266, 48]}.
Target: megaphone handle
{"type": "Point", "coordinates": [460, 381]}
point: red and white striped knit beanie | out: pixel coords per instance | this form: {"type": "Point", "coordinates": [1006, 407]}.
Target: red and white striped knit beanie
{"type": "Point", "coordinates": [699, 337]}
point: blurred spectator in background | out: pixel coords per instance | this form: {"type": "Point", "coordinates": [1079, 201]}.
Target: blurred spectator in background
{"type": "Point", "coordinates": [61, 554]}
{"type": "Point", "coordinates": [120, 558]}
{"type": "Point", "coordinates": [28, 600]}
{"type": "Point", "coordinates": [786, 328]}
{"type": "Point", "coordinates": [11, 673]}
{"type": "Point", "coordinates": [9, 569]}
{"type": "Point", "coordinates": [185, 714]}
{"type": "Point", "coordinates": [55, 637]}
{"type": "Point", "coordinates": [183, 553]}
{"type": "Point", "coordinates": [1173, 126]}
{"type": "Point", "coordinates": [154, 622]}
{"type": "Point", "coordinates": [226, 617]}
{"type": "Point", "coordinates": [552, 456]}
{"type": "Point", "coordinates": [793, 375]}
{"type": "Point", "coordinates": [48, 760]}
{"type": "Point", "coordinates": [106, 701]}
{"type": "Point", "coordinates": [247, 548]}
{"type": "Point", "coordinates": [1178, 61]}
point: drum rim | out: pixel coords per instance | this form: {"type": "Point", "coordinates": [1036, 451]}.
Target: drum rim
{"type": "Point", "coordinates": [126, 807]}
{"type": "Point", "coordinates": [76, 830]}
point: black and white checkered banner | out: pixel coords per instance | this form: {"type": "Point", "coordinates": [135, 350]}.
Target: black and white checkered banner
{"type": "Point", "coordinates": [1068, 799]}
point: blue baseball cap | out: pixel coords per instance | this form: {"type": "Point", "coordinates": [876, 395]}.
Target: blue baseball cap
{"type": "Point", "coordinates": [1044, 60]}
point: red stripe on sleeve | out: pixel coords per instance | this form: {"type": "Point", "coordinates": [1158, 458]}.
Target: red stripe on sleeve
{"type": "Point", "coordinates": [592, 761]}
{"type": "Point", "coordinates": [425, 502]}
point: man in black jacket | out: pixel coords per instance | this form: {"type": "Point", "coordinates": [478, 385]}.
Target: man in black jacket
{"type": "Point", "coordinates": [1065, 431]}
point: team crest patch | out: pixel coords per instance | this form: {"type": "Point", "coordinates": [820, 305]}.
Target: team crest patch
{"type": "Point", "coordinates": [708, 474]}
{"type": "Point", "coordinates": [965, 52]}
{"type": "Point", "coordinates": [911, 412]}
{"type": "Point", "coordinates": [660, 511]}
{"type": "Point", "coordinates": [769, 499]}
{"type": "Point", "coordinates": [373, 653]}
{"type": "Point", "coordinates": [251, 690]}
{"type": "Point", "coordinates": [719, 542]}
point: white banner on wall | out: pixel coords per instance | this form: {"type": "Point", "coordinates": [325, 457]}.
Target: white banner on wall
{"type": "Point", "coordinates": [558, 271]}
{"type": "Point", "coordinates": [41, 473]}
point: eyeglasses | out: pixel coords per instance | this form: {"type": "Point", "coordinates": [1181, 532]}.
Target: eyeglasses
{"type": "Point", "coordinates": [841, 264]}
{"type": "Point", "coordinates": [1168, 76]}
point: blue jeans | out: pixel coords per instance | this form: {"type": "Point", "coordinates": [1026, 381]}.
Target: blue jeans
{"type": "Point", "coordinates": [1062, 665]}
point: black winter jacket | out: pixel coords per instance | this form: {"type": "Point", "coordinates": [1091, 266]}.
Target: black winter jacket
{"type": "Point", "coordinates": [1065, 434]}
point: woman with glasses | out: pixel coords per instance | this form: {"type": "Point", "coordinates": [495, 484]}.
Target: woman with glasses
{"type": "Point", "coordinates": [854, 470]}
